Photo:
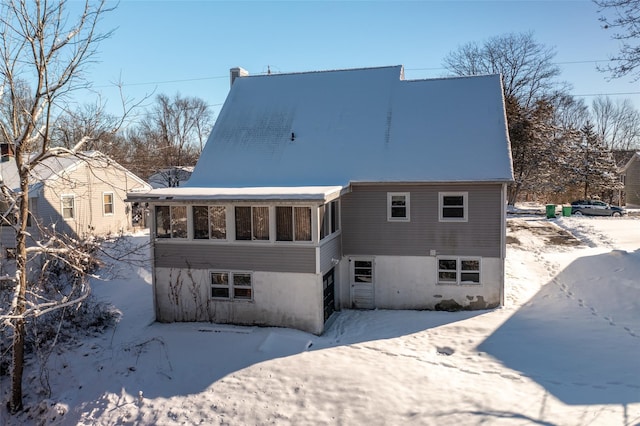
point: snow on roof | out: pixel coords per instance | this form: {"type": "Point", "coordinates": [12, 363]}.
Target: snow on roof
{"type": "Point", "coordinates": [364, 125]}
{"type": "Point", "coordinates": [309, 193]}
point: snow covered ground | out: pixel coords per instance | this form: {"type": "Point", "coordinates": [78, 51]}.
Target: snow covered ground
{"type": "Point", "coordinates": [565, 350]}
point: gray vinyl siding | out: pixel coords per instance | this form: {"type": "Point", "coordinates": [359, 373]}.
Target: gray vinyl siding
{"type": "Point", "coordinates": [240, 257]}
{"type": "Point", "coordinates": [632, 184]}
{"type": "Point", "coordinates": [366, 231]}
{"type": "Point", "coordinates": [330, 250]}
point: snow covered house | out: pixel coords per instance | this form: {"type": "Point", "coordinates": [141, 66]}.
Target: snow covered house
{"type": "Point", "coordinates": [79, 194]}
{"type": "Point", "coordinates": [631, 180]}
{"type": "Point", "coordinates": [338, 189]}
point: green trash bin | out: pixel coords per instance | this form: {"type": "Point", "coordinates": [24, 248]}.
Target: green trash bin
{"type": "Point", "coordinates": [566, 211]}
{"type": "Point", "coordinates": [551, 211]}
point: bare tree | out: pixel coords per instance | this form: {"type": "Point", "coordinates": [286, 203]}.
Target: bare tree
{"type": "Point", "coordinates": [176, 129]}
{"type": "Point", "coordinates": [617, 123]}
{"type": "Point", "coordinates": [43, 54]}
{"type": "Point", "coordinates": [526, 66]}
{"type": "Point", "coordinates": [532, 97]}
{"type": "Point", "coordinates": [623, 18]}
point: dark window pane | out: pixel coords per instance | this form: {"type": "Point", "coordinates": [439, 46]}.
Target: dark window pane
{"type": "Point", "coordinates": [260, 223]}
{"type": "Point", "coordinates": [200, 222]}
{"type": "Point", "coordinates": [163, 222]}
{"type": "Point", "coordinates": [467, 277]}
{"type": "Point", "coordinates": [453, 212]}
{"type": "Point", "coordinates": [447, 264]}
{"type": "Point", "coordinates": [323, 219]}
{"type": "Point", "coordinates": [398, 212]}
{"type": "Point", "coordinates": [303, 223]}
{"type": "Point", "coordinates": [470, 265]}
{"type": "Point", "coordinates": [453, 200]}
{"type": "Point", "coordinates": [178, 221]}
{"type": "Point", "coordinates": [218, 220]}
{"type": "Point", "coordinates": [243, 280]}
{"type": "Point", "coordinates": [284, 224]}
{"type": "Point", "coordinates": [335, 217]}
{"type": "Point", "coordinates": [220, 292]}
{"type": "Point", "coordinates": [242, 293]}
{"type": "Point", "coordinates": [220, 278]}
{"type": "Point", "coordinates": [243, 223]}
{"type": "Point", "coordinates": [447, 276]}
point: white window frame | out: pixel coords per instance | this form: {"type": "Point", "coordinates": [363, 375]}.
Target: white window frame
{"type": "Point", "coordinates": [104, 205]}
{"type": "Point", "coordinates": [465, 206]}
{"type": "Point", "coordinates": [459, 271]}
{"type": "Point", "coordinates": [73, 207]}
{"type": "Point", "coordinates": [294, 219]}
{"type": "Point", "coordinates": [407, 206]}
{"type": "Point", "coordinates": [253, 235]}
{"type": "Point", "coordinates": [231, 285]}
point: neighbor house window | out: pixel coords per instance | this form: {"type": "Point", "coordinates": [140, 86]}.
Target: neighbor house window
{"type": "Point", "coordinates": [68, 206]}
{"type": "Point", "coordinates": [209, 222]}
{"type": "Point", "coordinates": [293, 223]}
{"type": "Point", "coordinates": [458, 271]}
{"type": "Point", "coordinates": [231, 285]}
{"type": "Point", "coordinates": [398, 206]}
{"type": "Point", "coordinates": [171, 221]}
{"type": "Point", "coordinates": [107, 203]}
{"type": "Point", "coordinates": [453, 206]}
{"type": "Point", "coordinates": [252, 223]}
{"type": "Point", "coordinates": [329, 218]}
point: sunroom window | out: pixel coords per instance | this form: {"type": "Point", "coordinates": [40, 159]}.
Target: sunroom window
{"type": "Point", "coordinates": [252, 223]}
{"type": "Point", "coordinates": [171, 221]}
{"type": "Point", "coordinates": [209, 222]}
{"type": "Point", "coordinates": [293, 223]}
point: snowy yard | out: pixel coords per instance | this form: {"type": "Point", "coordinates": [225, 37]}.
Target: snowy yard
{"type": "Point", "coordinates": [565, 350]}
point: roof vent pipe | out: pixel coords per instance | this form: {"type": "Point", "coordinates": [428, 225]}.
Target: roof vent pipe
{"type": "Point", "coordinates": [237, 72]}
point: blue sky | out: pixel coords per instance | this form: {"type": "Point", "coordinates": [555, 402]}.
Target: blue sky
{"type": "Point", "coordinates": [189, 46]}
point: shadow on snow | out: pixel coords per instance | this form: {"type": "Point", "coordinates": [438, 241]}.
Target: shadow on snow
{"type": "Point", "coordinates": [579, 337]}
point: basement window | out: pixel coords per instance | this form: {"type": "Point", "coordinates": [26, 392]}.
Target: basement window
{"type": "Point", "coordinates": [458, 271]}
{"type": "Point", "coordinates": [231, 285]}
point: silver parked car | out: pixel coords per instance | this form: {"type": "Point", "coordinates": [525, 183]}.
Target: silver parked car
{"type": "Point", "coordinates": [595, 208]}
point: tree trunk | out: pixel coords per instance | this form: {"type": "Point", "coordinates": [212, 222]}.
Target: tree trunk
{"type": "Point", "coordinates": [15, 403]}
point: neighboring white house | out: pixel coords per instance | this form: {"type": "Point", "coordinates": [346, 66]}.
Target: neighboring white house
{"type": "Point", "coordinates": [338, 189]}
{"type": "Point", "coordinates": [83, 194]}
{"type": "Point", "coordinates": [170, 177]}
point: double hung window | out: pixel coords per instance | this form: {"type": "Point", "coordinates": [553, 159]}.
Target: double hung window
{"type": "Point", "coordinates": [107, 203]}
{"type": "Point", "coordinates": [68, 206]}
{"type": "Point", "coordinates": [453, 206]}
{"type": "Point", "coordinates": [398, 206]}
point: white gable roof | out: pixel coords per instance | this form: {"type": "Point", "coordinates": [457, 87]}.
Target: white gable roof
{"type": "Point", "coordinates": [363, 125]}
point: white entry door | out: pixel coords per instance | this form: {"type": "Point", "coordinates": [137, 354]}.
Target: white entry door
{"type": "Point", "coordinates": [362, 283]}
